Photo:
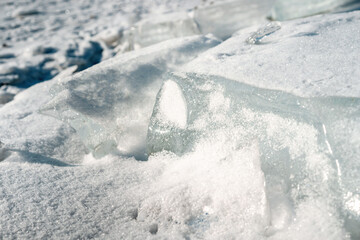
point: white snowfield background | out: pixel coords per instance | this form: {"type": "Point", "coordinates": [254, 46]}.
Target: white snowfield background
{"type": "Point", "coordinates": [183, 119]}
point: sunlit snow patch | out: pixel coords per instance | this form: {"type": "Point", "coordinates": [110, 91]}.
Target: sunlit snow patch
{"type": "Point", "coordinates": [221, 19]}
{"type": "Point", "coordinates": [172, 105]}
{"type": "Point", "coordinates": [214, 192]}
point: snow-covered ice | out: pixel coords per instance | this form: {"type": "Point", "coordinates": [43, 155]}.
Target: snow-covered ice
{"type": "Point", "coordinates": [175, 134]}
{"type": "Point", "coordinates": [294, 136]}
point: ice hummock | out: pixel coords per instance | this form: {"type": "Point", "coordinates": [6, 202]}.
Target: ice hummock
{"type": "Point", "coordinates": [301, 157]}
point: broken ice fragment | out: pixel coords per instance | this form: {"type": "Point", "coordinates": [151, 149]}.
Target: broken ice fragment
{"type": "Point", "coordinates": [169, 115]}
{"type": "Point", "coordinates": [216, 19]}
{"type": "Point", "coordinates": [164, 27]}
{"type": "Point", "coordinates": [172, 105]}
{"type": "Point", "coordinates": [261, 33]}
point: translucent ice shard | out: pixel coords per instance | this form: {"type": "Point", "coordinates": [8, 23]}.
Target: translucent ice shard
{"type": "Point", "coordinates": [213, 192]}
{"type": "Point", "coordinates": [225, 17]}
{"type": "Point", "coordinates": [172, 105]}
{"type": "Point", "coordinates": [306, 144]}
{"type": "Point", "coordinates": [260, 34]}
{"type": "Point", "coordinates": [160, 28]}
{"type": "Point", "coordinates": [170, 116]}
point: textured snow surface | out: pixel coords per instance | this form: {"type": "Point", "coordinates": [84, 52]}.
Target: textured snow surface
{"type": "Point", "coordinates": [40, 38]}
{"type": "Point", "coordinates": [256, 137]}
{"type": "Point", "coordinates": [308, 57]}
{"type": "Point", "coordinates": [104, 103]}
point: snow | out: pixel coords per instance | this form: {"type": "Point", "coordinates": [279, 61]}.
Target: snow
{"type": "Point", "coordinates": [175, 134]}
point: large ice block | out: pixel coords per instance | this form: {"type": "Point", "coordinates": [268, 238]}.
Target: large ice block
{"type": "Point", "coordinates": [306, 145]}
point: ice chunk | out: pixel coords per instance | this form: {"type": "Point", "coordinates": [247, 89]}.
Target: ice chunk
{"type": "Point", "coordinates": [226, 17]}
{"type": "Point", "coordinates": [296, 138]}
{"type": "Point", "coordinates": [285, 9]}
{"type": "Point", "coordinates": [110, 104]}
{"type": "Point", "coordinates": [204, 19]}
{"type": "Point", "coordinates": [292, 58]}
{"type": "Point", "coordinates": [260, 34]}
{"type": "Point", "coordinates": [160, 28]}
{"type": "Point", "coordinates": [172, 105]}
{"type": "Point", "coordinates": [170, 115]}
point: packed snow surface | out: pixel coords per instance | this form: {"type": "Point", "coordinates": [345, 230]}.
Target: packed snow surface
{"type": "Point", "coordinates": [191, 131]}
